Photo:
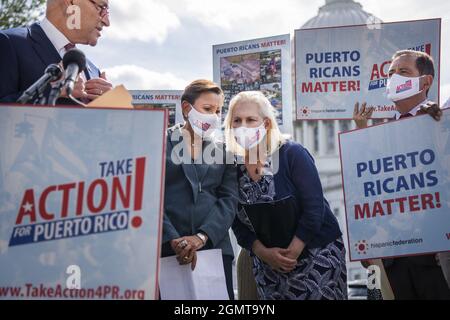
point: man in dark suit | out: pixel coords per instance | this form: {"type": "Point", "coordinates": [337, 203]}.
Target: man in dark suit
{"type": "Point", "coordinates": [26, 52]}
{"type": "Point", "coordinates": [415, 277]}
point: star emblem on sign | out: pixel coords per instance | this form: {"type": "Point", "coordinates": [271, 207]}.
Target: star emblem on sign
{"type": "Point", "coordinates": [27, 207]}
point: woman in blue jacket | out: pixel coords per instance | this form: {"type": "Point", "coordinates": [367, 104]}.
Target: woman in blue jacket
{"type": "Point", "coordinates": [283, 218]}
{"type": "Point", "coordinates": [200, 189]}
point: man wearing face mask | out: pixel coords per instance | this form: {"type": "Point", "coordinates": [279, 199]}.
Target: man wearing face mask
{"type": "Point", "coordinates": [201, 189]}
{"type": "Point", "coordinates": [26, 52]}
{"type": "Point", "coordinates": [410, 77]}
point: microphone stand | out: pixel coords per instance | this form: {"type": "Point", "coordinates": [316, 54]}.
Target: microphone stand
{"type": "Point", "coordinates": [38, 97]}
{"type": "Point", "coordinates": [55, 92]}
{"type": "Point", "coordinates": [35, 92]}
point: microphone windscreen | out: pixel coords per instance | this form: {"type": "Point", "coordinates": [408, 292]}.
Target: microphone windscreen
{"type": "Point", "coordinates": [75, 56]}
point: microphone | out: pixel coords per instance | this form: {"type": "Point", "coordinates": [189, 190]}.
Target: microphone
{"type": "Point", "coordinates": [52, 73]}
{"type": "Point", "coordinates": [74, 62]}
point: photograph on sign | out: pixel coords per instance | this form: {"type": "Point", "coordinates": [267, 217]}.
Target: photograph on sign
{"type": "Point", "coordinates": [257, 65]}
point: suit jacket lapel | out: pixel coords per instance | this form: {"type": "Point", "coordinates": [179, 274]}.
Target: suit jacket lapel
{"type": "Point", "coordinates": [43, 46]}
{"type": "Point", "coordinates": [189, 170]}
{"type": "Point", "coordinates": [48, 54]}
{"type": "Point", "coordinates": [202, 169]}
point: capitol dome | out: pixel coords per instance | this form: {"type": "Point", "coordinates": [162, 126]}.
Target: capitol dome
{"type": "Point", "coordinates": [340, 13]}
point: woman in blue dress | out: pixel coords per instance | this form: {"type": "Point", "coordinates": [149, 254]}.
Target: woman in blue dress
{"type": "Point", "coordinates": [283, 218]}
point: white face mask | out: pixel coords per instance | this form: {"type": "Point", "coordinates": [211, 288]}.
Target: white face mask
{"type": "Point", "coordinates": [399, 87]}
{"type": "Point", "coordinates": [249, 138]}
{"type": "Point", "coordinates": [203, 124]}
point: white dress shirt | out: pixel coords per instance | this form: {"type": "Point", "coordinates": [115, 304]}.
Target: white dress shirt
{"type": "Point", "coordinates": [447, 104]}
{"type": "Point", "coordinates": [57, 38]}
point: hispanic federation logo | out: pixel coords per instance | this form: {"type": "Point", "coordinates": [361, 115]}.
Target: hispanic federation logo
{"type": "Point", "coordinates": [305, 112]}
{"type": "Point", "coordinates": [362, 247]}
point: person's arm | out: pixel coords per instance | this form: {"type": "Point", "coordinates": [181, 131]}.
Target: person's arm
{"type": "Point", "coordinates": [277, 258]}
{"type": "Point", "coordinates": [244, 236]}
{"type": "Point", "coordinates": [11, 98]}
{"type": "Point", "coordinates": [169, 231]}
{"type": "Point", "coordinates": [306, 180]}
{"type": "Point", "coordinates": [222, 214]}
{"type": "Point", "coordinates": [9, 71]}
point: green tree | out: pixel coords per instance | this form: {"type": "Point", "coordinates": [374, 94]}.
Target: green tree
{"type": "Point", "coordinates": [19, 13]}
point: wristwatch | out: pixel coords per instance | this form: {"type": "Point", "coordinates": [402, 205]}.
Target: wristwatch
{"type": "Point", "coordinates": [202, 237]}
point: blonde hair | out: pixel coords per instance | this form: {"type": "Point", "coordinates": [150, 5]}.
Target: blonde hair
{"type": "Point", "coordinates": [275, 139]}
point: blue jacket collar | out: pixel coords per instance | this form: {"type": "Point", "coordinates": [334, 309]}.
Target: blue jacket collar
{"type": "Point", "coordinates": [43, 46]}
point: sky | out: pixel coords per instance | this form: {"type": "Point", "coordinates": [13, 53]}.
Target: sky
{"type": "Point", "coordinates": [165, 44]}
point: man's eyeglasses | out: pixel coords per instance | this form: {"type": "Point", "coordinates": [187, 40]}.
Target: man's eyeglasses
{"type": "Point", "coordinates": [103, 10]}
